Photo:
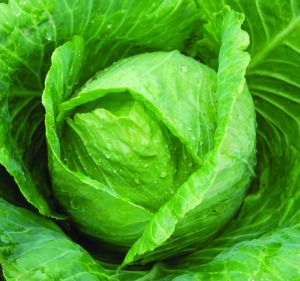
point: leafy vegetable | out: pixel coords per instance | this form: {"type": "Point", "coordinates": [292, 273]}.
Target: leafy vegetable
{"type": "Point", "coordinates": [131, 147]}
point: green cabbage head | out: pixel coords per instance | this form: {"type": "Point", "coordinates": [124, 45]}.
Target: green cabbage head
{"type": "Point", "coordinates": [148, 149]}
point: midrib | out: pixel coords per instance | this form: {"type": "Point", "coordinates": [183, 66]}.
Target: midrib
{"type": "Point", "coordinates": [258, 57]}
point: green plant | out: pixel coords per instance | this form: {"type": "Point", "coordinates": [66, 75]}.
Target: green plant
{"type": "Point", "coordinates": [131, 147]}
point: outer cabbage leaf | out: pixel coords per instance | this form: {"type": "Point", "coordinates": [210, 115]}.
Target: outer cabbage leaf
{"type": "Point", "coordinates": [34, 248]}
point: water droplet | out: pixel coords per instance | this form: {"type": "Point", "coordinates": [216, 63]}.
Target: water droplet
{"type": "Point", "coordinates": [25, 31]}
{"type": "Point", "coordinates": [109, 26]}
{"type": "Point", "coordinates": [184, 69]}
{"type": "Point", "coordinates": [163, 174]}
{"type": "Point", "coordinates": [146, 166]}
{"type": "Point", "coordinates": [48, 37]}
{"type": "Point", "coordinates": [115, 171]}
{"type": "Point", "coordinates": [136, 180]}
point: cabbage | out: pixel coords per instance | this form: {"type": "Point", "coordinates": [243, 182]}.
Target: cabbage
{"type": "Point", "coordinates": [149, 140]}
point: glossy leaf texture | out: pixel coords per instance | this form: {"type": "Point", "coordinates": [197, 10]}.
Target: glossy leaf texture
{"type": "Point", "coordinates": [261, 242]}
{"type": "Point", "coordinates": [34, 248]}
